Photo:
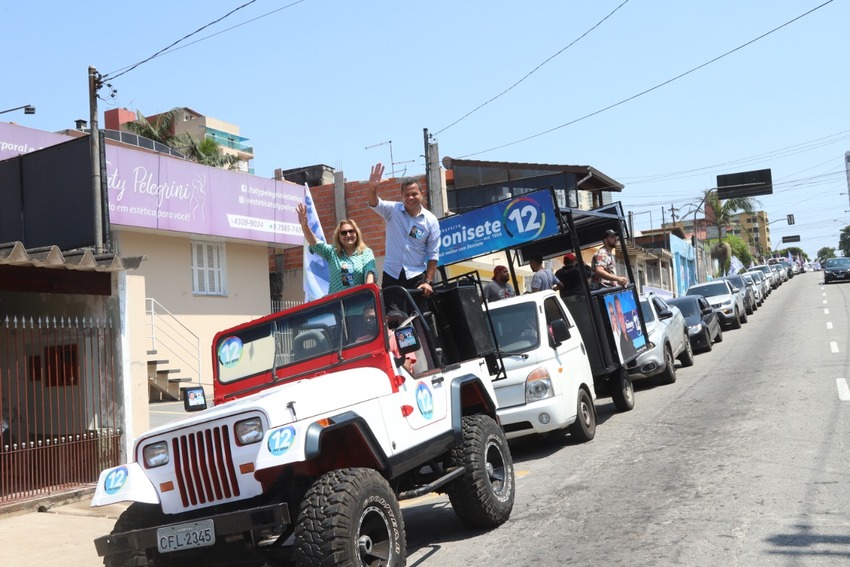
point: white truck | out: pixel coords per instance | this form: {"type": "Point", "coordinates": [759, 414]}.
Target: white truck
{"type": "Point", "coordinates": [549, 384]}
{"type": "Point", "coordinates": [320, 426]}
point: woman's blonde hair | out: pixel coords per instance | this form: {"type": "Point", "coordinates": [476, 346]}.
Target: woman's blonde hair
{"type": "Point", "coordinates": [359, 248]}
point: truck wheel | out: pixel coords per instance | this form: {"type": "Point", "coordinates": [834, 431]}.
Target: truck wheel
{"type": "Point", "coordinates": [687, 356]}
{"type": "Point", "coordinates": [350, 517]}
{"type": "Point", "coordinates": [137, 516]}
{"type": "Point", "coordinates": [484, 496]}
{"type": "Point", "coordinates": [623, 392]}
{"type": "Point", "coordinates": [583, 428]}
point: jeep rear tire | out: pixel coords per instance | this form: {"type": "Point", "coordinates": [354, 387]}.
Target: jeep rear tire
{"type": "Point", "coordinates": [484, 496]}
{"type": "Point", "coordinates": [583, 429]}
{"type": "Point", "coordinates": [350, 517]}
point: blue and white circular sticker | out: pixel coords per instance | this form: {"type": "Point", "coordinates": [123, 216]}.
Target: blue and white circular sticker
{"type": "Point", "coordinates": [280, 440]}
{"type": "Point", "coordinates": [230, 351]}
{"type": "Point", "coordinates": [425, 401]}
{"type": "Point", "coordinates": [115, 480]}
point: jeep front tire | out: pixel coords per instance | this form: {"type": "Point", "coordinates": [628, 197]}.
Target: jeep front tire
{"type": "Point", "coordinates": [484, 496]}
{"type": "Point", "coordinates": [350, 517]}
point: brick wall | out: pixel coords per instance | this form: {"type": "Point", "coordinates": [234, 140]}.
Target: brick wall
{"type": "Point", "coordinates": [356, 203]}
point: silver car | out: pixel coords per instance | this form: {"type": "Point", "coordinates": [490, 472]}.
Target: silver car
{"type": "Point", "coordinates": [725, 299]}
{"type": "Point", "coordinates": [755, 286]}
{"type": "Point", "coordinates": [763, 281]}
{"type": "Point", "coordinates": [668, 340]}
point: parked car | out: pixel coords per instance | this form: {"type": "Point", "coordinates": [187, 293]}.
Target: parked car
{"type": "Point", "coordinates": [762, 280]}
{"type": "Point", "coordinates": [781, 272]}
{"type": "Point", "coordinates": [755, 286]}
{"type": "Point", "coordinates": [745, 291]}
{"type": "Point", "coordinates": [668, 340]}
{"type": "Point", "coordinates": [701, 320]}
{"type": "Point", "coordinates": [725, 299]}
{"type": "Point", "coordinates": [769, 273]}
{"type": "Point", "coordinates": [836, 269]}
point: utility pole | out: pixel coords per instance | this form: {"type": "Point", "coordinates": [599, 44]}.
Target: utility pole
{"type": "Point", "coordinates": [432, 174]}
{"type": "Point", "coordinates": [673, 213]}
{"type": "Point", "coordinates": [94, 147]}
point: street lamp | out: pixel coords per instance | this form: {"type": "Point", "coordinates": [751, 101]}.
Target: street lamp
{"type": "Point", "coordinates": [28, 109]}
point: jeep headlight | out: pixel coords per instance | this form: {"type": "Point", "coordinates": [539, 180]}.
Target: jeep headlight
{"type": "Point", "coordinates": [249, 431]}
{"type": "Point", "coordinates": [156, 454]}
{"type": "Point", "coordinates": [538, 386]}
{"type": "Point", "coordinates": [694, 329]}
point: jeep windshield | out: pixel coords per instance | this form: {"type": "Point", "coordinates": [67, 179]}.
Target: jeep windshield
{"type": "Point", "coordinates": [516, 327]}
{"type": "Point", "coordinates": [302, 335]}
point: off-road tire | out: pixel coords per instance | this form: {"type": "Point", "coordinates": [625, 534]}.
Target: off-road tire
{"type": "Point", "coordinates": [137, 516]}
{"type": "Point", "coordinates": [583, 429]}
{"type": "Point", "coordinates": [623, 391]}
{"type": "Point", "coordinates": [484, 496]}
{"type": "Point", "coordinates": [668, 375]}
{"type": "Point", "coordinates": [687, 356]}
{"type": "Point", "coordinates": [350, 517]}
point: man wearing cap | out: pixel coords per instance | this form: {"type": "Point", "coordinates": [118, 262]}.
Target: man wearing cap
{"type": "Point", "coordinates": [569, 277]}
{"type": "Point", "coordinates": [499, 288]}
{"type": "Point", "coordinates": [602, 267]}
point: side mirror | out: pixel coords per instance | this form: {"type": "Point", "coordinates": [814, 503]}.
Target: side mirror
{"type": "Point", "coordinates": [707, 310]}
{"type": "Point", "coordinates": [194, 398]}
{"type": "Point", "coordinates": [560, 331]}
{"type": "Point", "coordinates": [735, 289]}
{"type": "Point", "coordinates": [665, 314]}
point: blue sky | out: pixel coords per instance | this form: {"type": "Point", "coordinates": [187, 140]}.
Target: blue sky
{"type": "Point", "coordinates": [319, 81]}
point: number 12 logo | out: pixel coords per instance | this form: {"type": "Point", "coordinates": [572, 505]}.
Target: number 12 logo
{"type": "Point", "coordinates": [524, 214]}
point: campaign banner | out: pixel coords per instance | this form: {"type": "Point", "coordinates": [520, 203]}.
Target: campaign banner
{"type": "Point", "coordinates": [625, 324]}
{"type": "Point", "coordinates": [499, 226]}
{"type": "Point", "coordinates": [16, 140]}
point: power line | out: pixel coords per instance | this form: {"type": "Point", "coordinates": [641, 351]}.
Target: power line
{"type": "Point", "coordinates": [649, 90]}
{"type": "Point", "coordinates": [161, 51]}
{"type": "Point", "coordinates": [527, 75]}
{"type": "Point", "coordinates": [169, 51]}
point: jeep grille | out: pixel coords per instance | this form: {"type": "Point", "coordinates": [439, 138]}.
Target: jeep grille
{"type": "Point", "coordinates": [203, 466]}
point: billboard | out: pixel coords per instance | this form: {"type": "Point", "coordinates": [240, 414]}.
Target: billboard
{"type": "Point", "coordinates": [499, 226]}
{"type": "Point", "coordinates": [625, 324]}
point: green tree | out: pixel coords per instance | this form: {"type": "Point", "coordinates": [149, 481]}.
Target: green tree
{"type": "Point", "coordinates": [161, 129]}
{"type": "Point", "coordinates": [844, 241]}
{"type": "Point", "coordinates": [739, 249]}
{"type": "Point", "coordinates": [826, 252]}
{"type": "Point", "coordinates": [207, 152]}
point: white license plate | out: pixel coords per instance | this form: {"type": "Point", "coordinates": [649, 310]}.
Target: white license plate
{"type": "Point", "coordinates": [185, 536]}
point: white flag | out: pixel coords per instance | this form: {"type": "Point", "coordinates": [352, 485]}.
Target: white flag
{"type": "Point", "coordinates": [316, 276]}
{"type": "Point", "coordinates": [735, 266]}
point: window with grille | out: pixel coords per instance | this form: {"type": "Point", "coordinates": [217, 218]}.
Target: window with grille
{"type": "Point", "coordinates": [208, 268]}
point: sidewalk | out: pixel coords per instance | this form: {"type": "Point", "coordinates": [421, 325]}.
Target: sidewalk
{"type": "Point", "coordinates": [60, 536]}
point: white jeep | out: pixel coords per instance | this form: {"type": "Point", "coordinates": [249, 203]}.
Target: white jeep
{"type": "Point", "coordinates": [322, 423]}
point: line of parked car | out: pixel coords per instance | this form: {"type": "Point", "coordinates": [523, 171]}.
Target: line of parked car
{"type": "Point", "coordinates": [680, 326]}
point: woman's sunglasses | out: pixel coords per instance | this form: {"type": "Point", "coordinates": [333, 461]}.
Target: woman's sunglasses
{"type": "Point", "coordinates": [347, 232]}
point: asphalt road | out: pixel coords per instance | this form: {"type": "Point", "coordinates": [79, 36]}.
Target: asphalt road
{"type": "Point", "coordinates": [743, 461]}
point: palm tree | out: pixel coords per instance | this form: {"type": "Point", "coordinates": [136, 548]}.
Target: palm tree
{"type": "Point", "coordinates": [161, 129]}
{"type": "Point", "coordinates": [723, 211]}
{"type": "Point", "coordinates": [207, 152]}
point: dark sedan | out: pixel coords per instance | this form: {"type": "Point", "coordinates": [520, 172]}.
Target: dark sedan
{"type": "Point", "coordinates": [836, 269]}
{"type": "Point", "coordinates": [701, 320]}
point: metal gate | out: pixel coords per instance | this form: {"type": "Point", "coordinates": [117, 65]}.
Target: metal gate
{"type": "Point", "coordinates": [59, 400]}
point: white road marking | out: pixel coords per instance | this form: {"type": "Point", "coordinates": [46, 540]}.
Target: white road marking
{"type": "Point", "coordinates": [829, 324]}
{"type": "Point", "coordinates": [826, 311]}
{"type": "Point", "coordinates": [823, 294]}
{"type": "Point", "coordinates": [824, 301]}
{"type": "Point", "coordinates": [833, 346]}
{"type": "Point", "coordinates": [843, 389]}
